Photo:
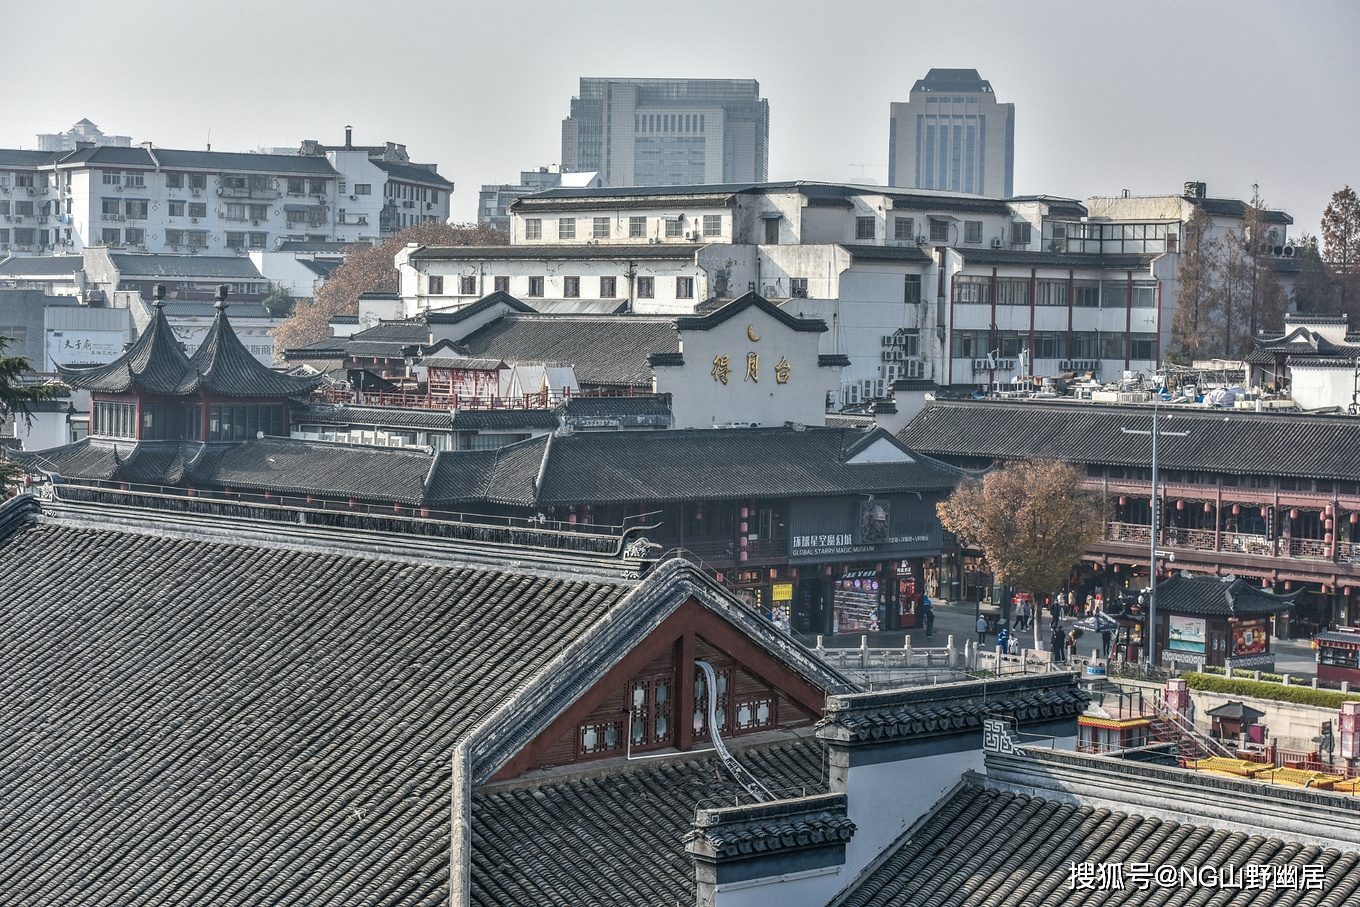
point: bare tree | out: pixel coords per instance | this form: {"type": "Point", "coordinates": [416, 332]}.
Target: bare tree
{"type": "Point", "coordinates": [370, 269]}
{"type": "Point", "coordinates": [1033, 521]}
{"type": "Point", "coordinates": [1195, 298]}
{"type": "Point", "coordinates": [1314, 287]}
{"type": "Point", "coordinates": [1268, 302]}
{"type": "Point", "coordinates": [1341, 248]}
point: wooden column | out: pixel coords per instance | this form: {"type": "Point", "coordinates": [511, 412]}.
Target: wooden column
{"type": "Point", "coordinates": [684, 702]}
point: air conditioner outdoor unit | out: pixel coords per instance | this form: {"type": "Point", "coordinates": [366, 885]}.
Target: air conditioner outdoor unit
{"type": "Point", "coordinates": [894, 372]}
{"type": "Point", "coordinates": [354, 198]}
{"type": "Point", "coordinates": [922, 240]}
{"type": "Point", "coordinates": [770, 290]}
{"type": "Point", "coordinates": [255, 223]}
{"type": "Point", "coordinates": [880, 388]}
{"type": "Point", "coordinates": [996, 242]}
{"type": "Point", "coordinates": [174, 248]}
{"type": "Point", "coordinates": [852, 395]}
{"type": "Point", "coordinates": [31, 192]}
{"type": "Point", "coordinates": [193, 220]}
{"type": "Point", "coordinates": [195, 192]}
{"type": "Point", "coordinates": [889, 355]}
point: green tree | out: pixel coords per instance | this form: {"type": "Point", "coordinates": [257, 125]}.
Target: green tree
{"type": "Point", "coordinates": [1314, 288]}
{"type": "Point", "coordinates": [279, 302]}
{"type": "Point", "coordinates": [1195, 298]}
{"type": "Point", "coordinates": [1341, 248]}
{"type": "Point", "coordinates": [1032, 519]}
{"type": "Point", "coordinates": [370, 269]}
{"type": "Point", "coordinates": [16, 396]}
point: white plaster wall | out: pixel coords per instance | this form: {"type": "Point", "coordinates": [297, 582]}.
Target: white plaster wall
{"type": "Point", "coordinates": [691, 221]}
{"type": "Point", "coordinates": [44, 431]}
{"type": "Point", "coordinates": [808, 891]}
{"type": "Point", "coordinates": [1317, 388]}
{"type": "Point", "coordinates": [884, 800]}
{"type": "Point", "coordinates": [700, 400]}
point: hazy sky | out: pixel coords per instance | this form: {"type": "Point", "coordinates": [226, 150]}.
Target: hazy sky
{"type": "Point", "coordinates": [1140, 96]}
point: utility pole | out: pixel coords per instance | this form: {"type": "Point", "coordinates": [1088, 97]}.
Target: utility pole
{"type": "Point", "coordinates": [1152, 530]}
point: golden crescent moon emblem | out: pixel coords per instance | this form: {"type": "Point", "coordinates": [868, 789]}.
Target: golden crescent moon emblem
{"type": "Point", "coordinates": [751, 332]}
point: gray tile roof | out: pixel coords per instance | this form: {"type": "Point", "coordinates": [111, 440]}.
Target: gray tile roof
{"type": "Point", "coordinates": [13, 157]}
{"type": "Point", "coordinates": [1235, 207]}
{"type": "Point", "coordinates": [618, 836]}
{"type": "Point", "coordinates": [176, 159]}
{"type": "Point", "coordinates": [493, 420]}
{"type": "Point", "coordinates": [42, 266]}
{"type": "Point", "coordinates": [1003, 849]}
{"type": "Point", "coordinates": [909, 254]}
{"type": "Point", "coordinates": [1244, 443]}
{"type": "Point", "coordinates": [950, 708]}
{"type": "Point", "coordinates": [1219, 596]}
{"type": "Point", "coordinates": [412, 173]}
{"type": "Point", "coordinates": [185, 721]}
{"type": "Point", "coordinates": [87, 458]}
{"type": "Point", "coordinates": [1070, 260]}
{"type": "Point", "coordinates": [156, 364]}
{"type": "Point", "coordinates": [741, 304]}
{"type": "Point", "coordinates": [685, 465]}
{"type": "Point", "coordinates": [593, 407]}
{"type": "Point", "coordinates": [431, 419]}
{"type": "Point", "coordinates": [459, 315]}
{"type": "Point", "coordinates": [301, 245]}
{"type": "Point", "coordinates": [603, 349]}
{"type": "Point", "coordinates": [685, 251]}
{"type": "Point", "coordinates": [293, 467]}
{"type": "Point", "coordinates": [207, 267]}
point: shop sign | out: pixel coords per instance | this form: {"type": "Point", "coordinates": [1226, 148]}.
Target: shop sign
{"type": "Point", "coordinates": [781, 592]}
{"type": "Point", "coordinates": [1249, 637]}
{"type": "Point", "coordinates": [1187, 634]}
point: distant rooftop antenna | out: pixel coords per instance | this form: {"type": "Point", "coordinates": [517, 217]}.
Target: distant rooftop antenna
{"type": "Point", "coordinates": [210, 138]}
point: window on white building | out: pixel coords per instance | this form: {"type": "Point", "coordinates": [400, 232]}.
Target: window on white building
{"type": "Point", "coordinates": [535, 286]}
{"type": "Point", "coordinates": [600, 228]}
{"type": "Point", "coordinates": [939, 230]}
{"type": "Point", "coordinates": [136, 208]}
{"type": "Point", "coordinates": [436, 285]}
{"type": "Point", "coordinates": [133, 179]}
{"type": "Point", "coordinates": [566, 228]}
{"type": "Point", "coordinates": [136, 236]}
{"type": "Point", "coordinates": [684, 288]}
{"type": "Point", "coordinates": [174, 181]}
{"type": "Point", "coordinates": [674, 228]}
{"type": "Point", "coordinates": [637, 227]}
{"type": "Point", "coordinates": [259, 240]}
{"type": "Point", "coordinates": [972, 231]}
{"type": "Point", "coordinates": [713, 225]}
{"type": "Point", "coordinates": [771, 231]}
{"type": "Point", "coordinates": [1020, 233]}
{"type": "Point", "coordinates": [198, 181]}
{"type": "Point", "coordinates": [608, 287]}
{"type": "Point", "coordinates": [571, 287]}
{"type": "Point", "coordinates": [297, 186]}
{"type": "Point", "coordinates": [646, 287]}
{"type": "Point", "coordinates": [198, 209]}
{"type": "Point", "coordinates": [864, 227]}
{"type": "Point", "coordinates": [467, 285]}
{"type": "Point", "coordinates": [234, 211]}
{"type": "Point", "coordinates": [363, 188]}
{"type": "Point", "coordinates": [111, 236]}
{"type": "Point", "coordinates": [904, 228]}
{"type": "Point", "coordinates": [111, 178]}
{"type": "Point", "coordinates": [502, 284]}
{"type": "Point", "coordinates": [533, 228]}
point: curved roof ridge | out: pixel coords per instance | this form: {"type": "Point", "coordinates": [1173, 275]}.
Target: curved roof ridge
{"type": "Point", "coordinates": [155, 363]}
{"type": "Point", "coordinates": [223, 365]}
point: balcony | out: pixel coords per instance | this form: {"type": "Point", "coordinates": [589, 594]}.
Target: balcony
{"type": "Point", "coordinates": [246, 192]}
{"type": "Point", "coordinates": [1208, 541]}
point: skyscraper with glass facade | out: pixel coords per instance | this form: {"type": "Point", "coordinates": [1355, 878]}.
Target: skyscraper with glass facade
{"type": "Point", "coordinates": [668, 132]}
{"type": "Point", "coordinates": [953, 135]}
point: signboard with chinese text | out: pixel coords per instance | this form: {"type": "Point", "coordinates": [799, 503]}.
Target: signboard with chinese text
{"type": "Point", "coordinates": [1187, 634]}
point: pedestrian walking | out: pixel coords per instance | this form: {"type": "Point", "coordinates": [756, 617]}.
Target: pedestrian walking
{"type": "Point", "coordinates": [1003, 641]}
{"type": "Point", "coordinates": [1105, 643]}
{"type": "Point", "coordinates": [1059, 651]}
{"type": "Point", "coordinates": [929, 613]}
{"type": "Point", "coordinates": [982, 630]}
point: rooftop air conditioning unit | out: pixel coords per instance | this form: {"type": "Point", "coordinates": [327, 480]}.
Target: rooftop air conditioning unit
{"type": "Point", "coordinates": [30, 190]}
{"type": "Point", "coordinates": [996, 242]}
{"type": "Point", "coordinates": [195, 192]}
{"type": "Point", "coordinates": [852, 396]}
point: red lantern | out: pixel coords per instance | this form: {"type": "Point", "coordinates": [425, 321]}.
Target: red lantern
{"type": "Point", "coordinates": [742, 556]}
{"type": "Point", "coordinates": [396, 508]}
{"type": "Point", "coordinates": [1294, 513]}
{"type": "Point", "coordinates": [743, 528]}
{"type": "Point", "coordinates": [828, 569]}
{"type": "Point", "coordinates": [425, 512]}
{"type": "Point", "coordinates": [744, 513]}
{"type": "Point", "coordinates": [1123, 500]}
{"type": "Point", "coordinates": [1180, 505]}
{"type": "Point", "coordinates": [1286, 585]}
{"type": "Point", "coordinates": [1116, 568]}
{"type": "Point", "coordinates": [774, 573]}
{"type": "Point", "coordinates": [1208, 508]}
{"type": "Point", "coordinates": [743, 542]}
{"type": "Point", "coordinates": [1265, 582]}
{"type": "Point", "coordinates": [353, 504]}
{"type": "Point", "coordinates": [571, 520]}
{"type": "Point", "coordinates": [699, 510]}
{"type": "Point", "coordinates": [1237, 509]}
{"type": "Point", "coordinates": [1328, 511]}
{"type": "Point", "coordinates": [1328, 538]}
{"type": "Point", "coordinates": [1347, 590]}
{"type": "Point", "coordinates": [1328, 524]}
{"type": "Point", "coordinates": [1265, 512]}
{"type": "Point", "coordinates": [1355, 518]}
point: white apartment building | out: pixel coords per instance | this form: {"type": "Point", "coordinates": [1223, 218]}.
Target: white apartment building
{"type": "Point", "coordinates": [153, 199]}
{"type": "Point", "coordinates": [380, 191]}
{"type": "Point", "coordinates": [933, 286]}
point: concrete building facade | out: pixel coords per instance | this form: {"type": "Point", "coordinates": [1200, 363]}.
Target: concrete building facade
{"type": "Point", "coordinates": [953, 135]}
{"type": "Point", "coordinates": [668, 132]}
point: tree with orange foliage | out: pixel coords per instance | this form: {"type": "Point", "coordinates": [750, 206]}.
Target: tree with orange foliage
{"type": "Point", "coordinates": [1033, 521]}
{"type": "Point", "coordinates": [370, 269]}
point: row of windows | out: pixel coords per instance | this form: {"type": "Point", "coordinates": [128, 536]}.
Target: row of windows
{"type": "Point", "coordinates": [136, 236]}
{"type": "Point", "coordinates": [184, 421]}
{"type": "Point", "coordinates": [404, 191]}
{"type": "Point", "coordinates": [602, 227]}
{"type": "Point", "coordinates": [957, 99]}
{"type": "Point", "coordinates": [571, 287]}
{"type": "Point", "coordinates": [970, 289]}
{"type": "Point", "coordinates": [23, 208]}
{"type": "Point", "coordinates": [904, 228]}
{"type": "Point", "coordinates": [1056, 344]}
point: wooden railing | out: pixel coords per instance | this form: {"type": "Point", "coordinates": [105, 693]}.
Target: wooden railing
{"type": "Point", "coordinates": [1233, 542]}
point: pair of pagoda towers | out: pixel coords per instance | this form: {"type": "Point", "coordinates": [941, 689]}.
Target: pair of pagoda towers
{"type": "Point", "coordinates": [154, 391]}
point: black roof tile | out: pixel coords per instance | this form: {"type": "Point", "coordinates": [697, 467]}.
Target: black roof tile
{"type": "Point", "coordinates": [741, 304]}
{"type": "Point", "coordinates": [459, 315]}
{"type": "Point", "coordinates": [185, 721]}
{"type": "Point", "coordinates": [1245, 443]}
{"type": "Point", "coordinates": [224, 367]}
{"type": "Point", "coordinates": [911, 254]}
{"type": "Point", "coordinates": [42, 265]}
{"type": "Point", "coordinates": [154, 364]}
{"type": "Point", "coordinates": [1006, 849]}
{"type": "Point", "coordinates": [207, 267]}
{"type": "Point", "coordinates": [618, 836]}
{"type": "Point", "coordinates": [1228, 596]}
{"type": "Point", "coordinates": [604, 350]}
{"type": "Point", "coordinates": [504, 420]}
{"type": "Point", "coordinates": [412, 173]}
{"type": "Point", "coordinates": [377, 416]}
{"type": "Point", "coordinates": [1071, 260]}
{"type": "Point", "coordinates": [682, 465]}
{"type": "Point", "coordinates": [320, 468]}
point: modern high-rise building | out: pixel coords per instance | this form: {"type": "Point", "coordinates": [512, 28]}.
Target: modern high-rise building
{"type": "Point", "coordinates": [668, 132]}
{"type": "Point", "coordinates": [953, 135]}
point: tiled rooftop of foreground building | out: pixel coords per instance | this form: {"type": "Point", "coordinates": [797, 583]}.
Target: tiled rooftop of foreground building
{"type": "Point", "coordinates": [1007, 849]}
{"type": "Point", "coordinates": [618, 836]}
{"type": "Point", "coordinates": [193, 722]}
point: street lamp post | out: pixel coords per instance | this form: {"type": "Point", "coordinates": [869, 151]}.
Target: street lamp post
{"type": "Point", "coordinates": [1152, 529]}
